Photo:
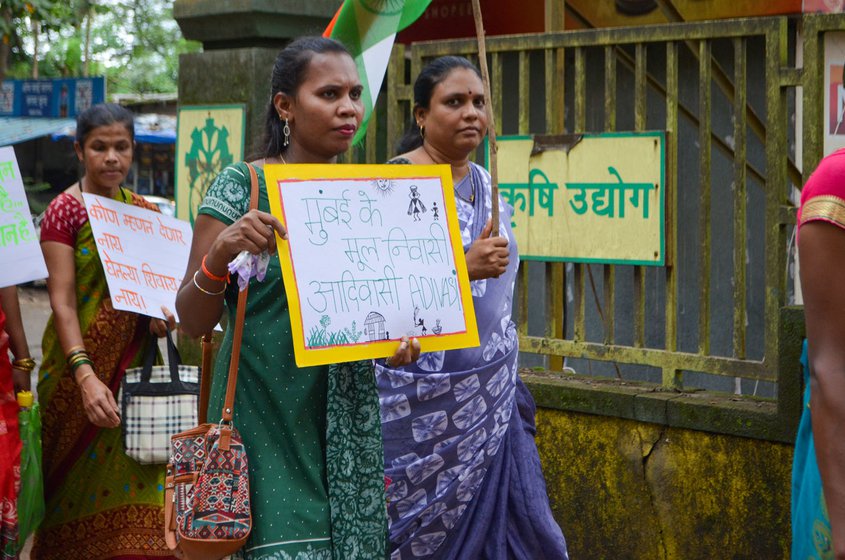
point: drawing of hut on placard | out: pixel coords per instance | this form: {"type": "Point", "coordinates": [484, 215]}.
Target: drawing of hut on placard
{"type": "Point", "coordinates": [374, 326]}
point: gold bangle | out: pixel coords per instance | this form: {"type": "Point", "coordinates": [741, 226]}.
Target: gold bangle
{"type": "Point", "coordinates": [73, 350]}
{"type": "Point", "coordinates": [203, 290]}
{"type": "Point", "coordinates": [76, 365]}
{"type": "Point", "coordinates": [77, 358]}
{"type": "Point", "coordinates": [24, 364]}
{"type": "Point", "coordinates": [75, 354]}
{"type": "Point", "coordinates": [83, 378]}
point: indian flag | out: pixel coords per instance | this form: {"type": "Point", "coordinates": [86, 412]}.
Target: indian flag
{"type": "Point", "coordinates": [368, 28]}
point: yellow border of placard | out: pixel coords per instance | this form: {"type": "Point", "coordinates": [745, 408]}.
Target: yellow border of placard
{"type": "Point", "coordinates": [276, 174]}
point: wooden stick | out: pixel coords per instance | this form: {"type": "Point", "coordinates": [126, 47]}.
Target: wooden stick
{"type": "Point", "coordinates": [488, 103]}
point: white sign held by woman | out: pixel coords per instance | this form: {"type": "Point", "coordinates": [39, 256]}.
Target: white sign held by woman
{"type": "Point", "coordinates": [144, 254]}
{"type": "Point", "coordinates": [374, 253]}
{"type": "Point", "coordinates": [21, 259]}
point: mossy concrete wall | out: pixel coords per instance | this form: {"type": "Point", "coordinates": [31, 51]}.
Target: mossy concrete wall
{"type": "Point", "coordinates": [241, 39]}
{"type": "Point", "coordinates": [232, 76]}
{"type": "Point", "coordinates": [627, 489]}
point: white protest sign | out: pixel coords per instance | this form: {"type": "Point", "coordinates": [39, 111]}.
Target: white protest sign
{"type": "Point", "coordinates": [21, 260]}
{"type": "Point", "coordinates": [374, 253]}
{"type": "Point", "coordinates": [144, 254]}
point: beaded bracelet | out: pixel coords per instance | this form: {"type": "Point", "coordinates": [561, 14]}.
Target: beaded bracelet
{"type": "Point", "coordinates": [210, 275]}
{"type": "Point", "coordinates": [203, 290]}
{"type": "Point", "coordinates": [24, 364]}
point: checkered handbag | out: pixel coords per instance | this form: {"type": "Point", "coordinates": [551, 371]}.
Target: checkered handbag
{"type": "Point", "coordinates": [157, 402]}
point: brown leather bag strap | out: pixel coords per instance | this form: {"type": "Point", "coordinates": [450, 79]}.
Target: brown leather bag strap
{"type": "Point", "coordinates": [229, 403]}
{"type": "Point", "coordinates": [206, 371]}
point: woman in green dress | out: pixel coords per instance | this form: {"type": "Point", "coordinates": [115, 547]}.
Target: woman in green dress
{"type": "Point", "coordinates": [312, 434]}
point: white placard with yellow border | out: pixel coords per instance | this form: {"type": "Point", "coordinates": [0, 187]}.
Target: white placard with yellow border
{"type": "Point", "coordinates": [588, 198]}
{"type": "Point", "coordinates": [374, 254]}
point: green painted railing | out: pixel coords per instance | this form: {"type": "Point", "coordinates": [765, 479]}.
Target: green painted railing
{"type": "Point", "coordinates": [543, 59]}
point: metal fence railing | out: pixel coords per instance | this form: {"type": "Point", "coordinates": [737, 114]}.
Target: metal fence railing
{"type": "Point", "coordinates": [724, 92]}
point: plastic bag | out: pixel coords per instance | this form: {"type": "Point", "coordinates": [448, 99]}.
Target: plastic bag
{"type": "Point", "coordinates": [31, 495]}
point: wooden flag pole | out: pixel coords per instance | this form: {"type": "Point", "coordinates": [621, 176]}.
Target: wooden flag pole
{"type": "Point", "coordinates": [491, 124]}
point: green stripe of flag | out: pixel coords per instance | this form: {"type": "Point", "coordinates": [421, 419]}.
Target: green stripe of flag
{"type": "Point", "coordinates": [367, 28]}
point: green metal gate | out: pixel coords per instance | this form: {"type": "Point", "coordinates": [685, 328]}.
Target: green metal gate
{"type": "Point", "coordinates": [540, 85]}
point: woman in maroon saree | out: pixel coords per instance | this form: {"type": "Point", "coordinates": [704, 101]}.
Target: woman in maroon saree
{"type": "Point", "coordinates": [100, 504]}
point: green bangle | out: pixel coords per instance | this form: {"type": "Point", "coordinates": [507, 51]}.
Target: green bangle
{"type": "Point", "coordinates": [74, 366]}
{"type": "Point", "coordinates": [75, 353]}
{"type": "Point", "coordinates": [77, 358]}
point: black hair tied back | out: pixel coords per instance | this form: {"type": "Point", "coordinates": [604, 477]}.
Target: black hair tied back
{"type": "Point", "coordinates": [288, 74]}
{"type": "Point", "coordinates": [432, 74]}
{"type": "Point", "coordinates": [103, 114]}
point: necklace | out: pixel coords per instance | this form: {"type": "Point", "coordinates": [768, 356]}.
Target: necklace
{"type": "Point", "coordinates": [471, 198]}
{"type": "Point", "coordinates": [281, 157]}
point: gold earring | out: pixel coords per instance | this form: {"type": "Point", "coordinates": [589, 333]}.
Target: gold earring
{"type": "Point", "coordinates": [422, 132]}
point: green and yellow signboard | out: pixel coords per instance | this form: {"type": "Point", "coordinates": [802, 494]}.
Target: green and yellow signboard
{"type": "Point", "coordinates": [586, 198]}
{"type": "Point", "coordinates": [208, 139]}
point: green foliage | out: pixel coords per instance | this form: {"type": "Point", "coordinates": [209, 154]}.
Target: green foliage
{"type": "Point", "coordinates": [352, 333]}
{"type": "Point", "coordinates": [38, 195]}
{"type": "Point", "coordinates": [321, 337]}
{"type": "Point", "coordinates": [14, 12]}
{"type": "Point", "coordinates": [135, 43]}
{"type": "Point", "coordinates": [324, 337]}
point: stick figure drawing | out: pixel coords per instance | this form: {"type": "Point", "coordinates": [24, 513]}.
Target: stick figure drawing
{"type": "Point", "coordinates": [416, 206]}
{"type": "Point", "coordinates": [419, 321]}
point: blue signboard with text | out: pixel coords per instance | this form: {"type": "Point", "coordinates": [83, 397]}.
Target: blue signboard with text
{"type": "Point", "coordinates": [52, 97]}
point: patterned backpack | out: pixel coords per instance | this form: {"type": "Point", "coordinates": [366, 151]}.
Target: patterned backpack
{"type": "Point", "coordinates": [206, 501]}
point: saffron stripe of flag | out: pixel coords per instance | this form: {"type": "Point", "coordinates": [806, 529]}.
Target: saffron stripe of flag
{"type": "Point", "coordinates": [368, 29]}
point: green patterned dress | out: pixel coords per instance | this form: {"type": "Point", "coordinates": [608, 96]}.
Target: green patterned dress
{"type": "Point", "coordinates": [313, 435]}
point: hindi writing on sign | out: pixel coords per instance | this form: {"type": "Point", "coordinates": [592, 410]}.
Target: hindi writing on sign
{"type": "Point", "coordinates": [586, 198]}
{"type": "Point", "coordinates": [374, 253]}
{"type": "Point", "coordinates": [22, 260]}
{"type": "Point", "coordinates": [144, 254]}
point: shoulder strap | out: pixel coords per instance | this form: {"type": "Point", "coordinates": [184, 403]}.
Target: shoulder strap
{"type": "Point", "coordinates": [229, 403]}
{"type": "Point", "coordinates": [205, 378]}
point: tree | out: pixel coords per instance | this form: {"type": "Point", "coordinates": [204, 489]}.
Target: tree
{"type": "Point", "coordinates": [134, 43]}
{"type": "Point", "coordinates": [14, 16]}
{"type": "Point", "coordinates": [149, 60]}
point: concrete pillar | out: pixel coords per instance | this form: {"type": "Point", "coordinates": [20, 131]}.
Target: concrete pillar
{"type": "Point", "coordinates": [241, 39]}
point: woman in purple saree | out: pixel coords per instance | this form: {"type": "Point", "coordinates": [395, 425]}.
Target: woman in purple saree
{"type": "Point", "coordinates": [463, 472]}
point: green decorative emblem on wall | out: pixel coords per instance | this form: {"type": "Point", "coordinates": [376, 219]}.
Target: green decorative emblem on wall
{"type": "Point", "coordinates": [209, 139]}
{"type": "Point", "coordinates": [208, 155]}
